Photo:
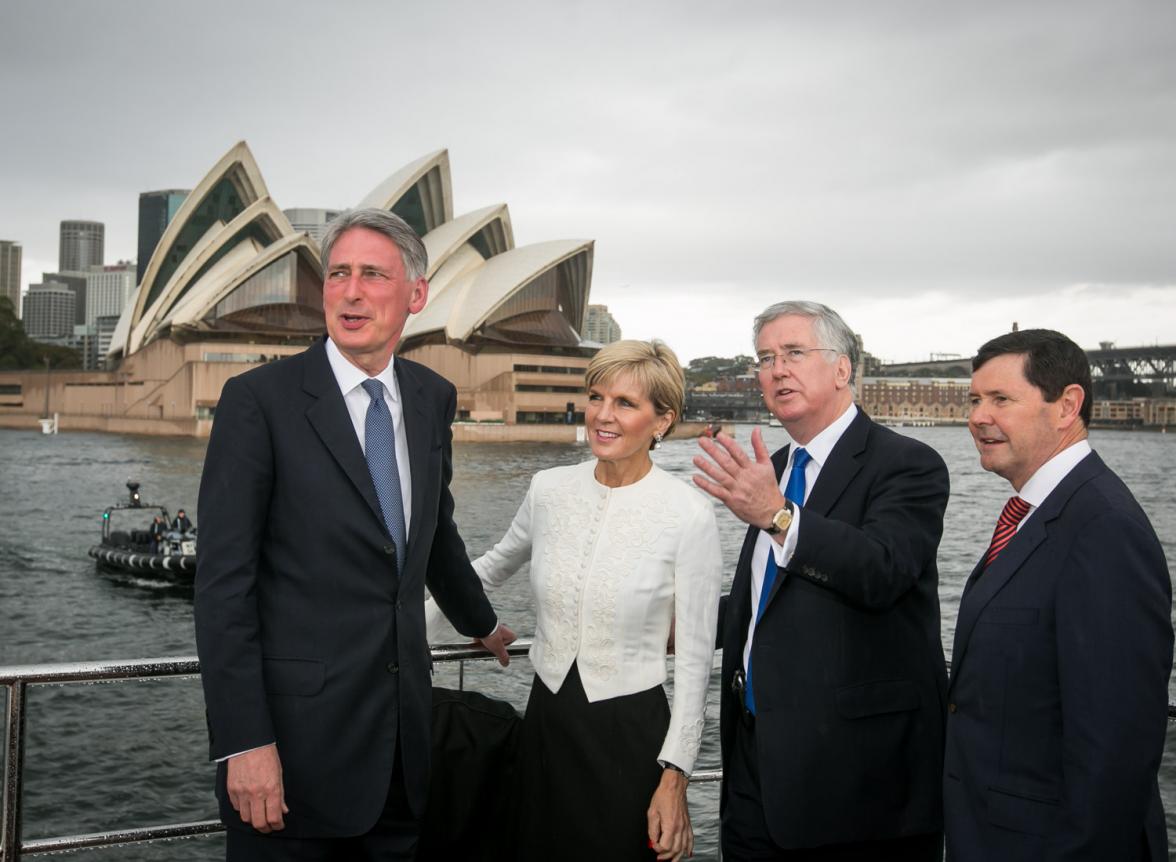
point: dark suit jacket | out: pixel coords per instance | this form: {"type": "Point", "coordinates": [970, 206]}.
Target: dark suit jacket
{"type": "Point", "coordinates": [849, 670]}
{"type": "Point", "coordinates": [1059, 686]}
{"type": "Point", "coordinates": [307, 634]}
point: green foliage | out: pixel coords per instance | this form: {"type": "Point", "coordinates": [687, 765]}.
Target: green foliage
{"type": "Point", "coordinates": [708, 368]}
{"type": "Point", "coordinates": [18, 351]}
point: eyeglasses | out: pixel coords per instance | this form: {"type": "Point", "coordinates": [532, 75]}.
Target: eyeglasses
{"type": "Point", "coordinates": [792, 356]}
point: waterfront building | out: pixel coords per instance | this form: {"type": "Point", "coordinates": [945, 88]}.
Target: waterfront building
{"type": "Point", "coordinates": [600, 326]}
{"type": "Point", "coordinates": [49, 312]}
{"type": "Point", "coordinates": [311, 221]}
{"type": "Point", "coordinates": [1135, 412]}
{"type": "Point", "coordinates": [108, 289]}
{"type": "Point", "coordinates": [231, 282]}
{"type": "Point", "coordinates": [10, 253]}
{"type": "Point", "coordinates": [156, 211]}
{"type": "Point", "coordinates": [915, 399]}
{"type": "Point", "coordinates": [81, 245]}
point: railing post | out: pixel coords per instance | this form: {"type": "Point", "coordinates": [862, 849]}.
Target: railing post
{"type": "Point", "coordinates": [13, 770]}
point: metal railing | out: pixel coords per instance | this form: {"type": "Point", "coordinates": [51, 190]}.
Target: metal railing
{"type": "Point", "coordinates": [18, 678]}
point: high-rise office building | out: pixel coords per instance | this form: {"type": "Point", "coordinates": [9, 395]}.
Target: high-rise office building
{"type": "Point", "coordinates": [82, 245]}
{"type": "Point", "coordinates": [10, 272]}
{"type": "Point", "coordinates": [75, 281]}
{"type": "Point", "coordinates": [600, 326]}
{"type": "Point", "coordinates": [311, 221]}
{"type": "Point", "coordinates": [156, 210]}
{"type": "Point", "coordinates": [108, 288]}
{"type": "Point", "coordinates": [49, 312]}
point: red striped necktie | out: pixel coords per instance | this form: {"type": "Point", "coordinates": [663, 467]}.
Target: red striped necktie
{"type": "Point", "coordinates": [1006, 527]}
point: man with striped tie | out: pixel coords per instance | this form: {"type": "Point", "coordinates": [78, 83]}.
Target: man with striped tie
{"type": "Point", "coordinates": [325, 511]}
{"type": "Point", "coordinates": [833, 682]}
{"type": "Point", "coordinates": [1063, 645]}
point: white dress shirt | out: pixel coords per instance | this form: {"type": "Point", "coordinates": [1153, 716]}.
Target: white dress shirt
{"type": "Point", "coordinates": [350, 377]}
{"type": "Point", "coordinates": [818, 449]}
{"type": "Point", "coordinates": [1049, 475]}
{"type": "Point", "coordinates": [611, 569]}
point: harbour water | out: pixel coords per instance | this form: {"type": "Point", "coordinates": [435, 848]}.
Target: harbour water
{"type": "Point", "coordinates": [133, 754]}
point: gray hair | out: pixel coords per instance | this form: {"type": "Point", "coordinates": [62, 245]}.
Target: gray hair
{"type": "Point", "coordinates": [828, 326]}
{"type": "Point", "coordinates": [412, 250]}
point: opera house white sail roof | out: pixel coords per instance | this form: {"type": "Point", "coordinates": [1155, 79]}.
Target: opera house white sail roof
{"type": "Point", "coordinates": [231, 265]}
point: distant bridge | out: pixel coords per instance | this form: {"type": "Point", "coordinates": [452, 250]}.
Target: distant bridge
{"type": "Point", "coordinates": [1115, 369]}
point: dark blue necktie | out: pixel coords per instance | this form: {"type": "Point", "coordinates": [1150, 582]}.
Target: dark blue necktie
{"type": "Point", "coordinates": [794, 491]}
{"type": "Point", "coordinates": [380, 450]}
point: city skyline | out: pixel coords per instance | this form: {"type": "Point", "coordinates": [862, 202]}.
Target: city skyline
{"type": "Point", "coordinates": [933, 173]}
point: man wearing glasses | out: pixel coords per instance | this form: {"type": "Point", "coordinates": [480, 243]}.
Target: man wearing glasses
{"type": "Point", "coordinates": [833, 685]}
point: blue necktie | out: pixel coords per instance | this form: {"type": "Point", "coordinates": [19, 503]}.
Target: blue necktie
{"type": "Point", "coordinates": [380, 450]}
{"type": "Point", "coordinates": [794, 491]}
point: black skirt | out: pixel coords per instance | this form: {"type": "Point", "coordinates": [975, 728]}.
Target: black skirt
{"type": "Point", "coordinates": [588, 773]}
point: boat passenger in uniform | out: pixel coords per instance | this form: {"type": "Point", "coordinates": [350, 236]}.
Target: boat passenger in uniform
{"type": "Point", "coordinates": [181, 522]}
{"type": "Point", "coordinates": [157, 529]}
{"type": "Point", "coordinates": [1063, 646]}
{"type": "Point", "coordinates": [621, 553]}
{"type": "Point", "coordinates": [834, 685]}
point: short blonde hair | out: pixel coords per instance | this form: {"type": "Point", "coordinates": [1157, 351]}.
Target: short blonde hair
{"type": "Point", "coordinates": [652, 365]}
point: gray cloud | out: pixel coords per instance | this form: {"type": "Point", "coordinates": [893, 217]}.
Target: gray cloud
{"type": "Point", "coordinates": [861, 152]}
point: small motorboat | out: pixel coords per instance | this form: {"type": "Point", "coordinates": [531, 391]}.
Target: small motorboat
{"type": "Point", "coordinates": [131, 541]}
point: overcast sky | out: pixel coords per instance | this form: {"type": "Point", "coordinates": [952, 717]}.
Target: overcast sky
{"type": "Point", "coordinates": [935, 171]}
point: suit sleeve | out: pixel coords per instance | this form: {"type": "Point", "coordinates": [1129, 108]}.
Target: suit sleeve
{"type": "Point", "coordinates": [496, 565]}
{"type": "Point", "coordinates": [875, 563]}
{"type": "Point", "coordinates": [451, 579]}
{"type": "Point", "coordinates": [233, 505]}
{"type": "Point", "coordinates": [1114, 645]}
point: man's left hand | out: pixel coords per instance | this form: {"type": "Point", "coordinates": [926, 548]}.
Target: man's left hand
{"type": "Point", "coordinates": [497, 643]}
{"type": "Point", "coordinates": [748, 488]}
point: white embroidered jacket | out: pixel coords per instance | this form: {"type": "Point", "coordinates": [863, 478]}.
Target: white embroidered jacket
{"type": "Point", "coordinates": [610, 569]}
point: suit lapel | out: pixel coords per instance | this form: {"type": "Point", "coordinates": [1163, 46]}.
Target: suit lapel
{"type": "Point", "coordinates": [417, 428]}
{"type": "Point", "coordinates": [985, 584]}
{"type": "Point", "coordinates": [842, 465]}
{"type": "Point", "coordinates": [329, 417]}
{"type": "Point", "coordinates": [836, 473]}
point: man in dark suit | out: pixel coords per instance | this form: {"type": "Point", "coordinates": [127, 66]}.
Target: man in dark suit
{"type": "Point", "coordinates": [1063, 645]}
{"type": "Point", "coordinates": [181, 523]}
{"type": "Point", "coordinates": [833, 686]}
{"type": "Point", "coordinates": [326, 511]}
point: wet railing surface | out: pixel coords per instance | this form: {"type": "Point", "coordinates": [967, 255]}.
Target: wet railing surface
{"type": "Point", "coordinates": [17, 678]}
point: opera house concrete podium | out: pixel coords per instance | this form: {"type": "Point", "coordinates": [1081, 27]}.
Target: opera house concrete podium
{"type": "Point", "coordinates": [232, 283]}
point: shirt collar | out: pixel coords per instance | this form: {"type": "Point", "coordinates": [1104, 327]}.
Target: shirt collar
{"type": "Point", "coordinates": [1050, 474]}
{"type": "Point", "coordinates": [349, 376]}
{"type": "Point", "coordinates": [821, 445]}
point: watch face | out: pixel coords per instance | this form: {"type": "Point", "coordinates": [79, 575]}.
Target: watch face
{"type": "Point", "coordinates": [782, 520]}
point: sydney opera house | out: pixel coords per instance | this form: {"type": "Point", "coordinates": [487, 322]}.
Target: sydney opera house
{"type": "Point", "coordinates": [232, 283]}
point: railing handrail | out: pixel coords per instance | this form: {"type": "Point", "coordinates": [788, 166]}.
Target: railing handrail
{"type": "Point", "coordinates": [17, 677]}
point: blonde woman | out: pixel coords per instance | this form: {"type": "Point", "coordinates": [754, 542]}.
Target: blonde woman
{"type": "Point", "coordinates": [621, 553]}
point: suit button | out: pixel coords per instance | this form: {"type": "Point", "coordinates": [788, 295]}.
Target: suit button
{"type": "Point", "coordinates": [393, 667]}
{"type": "Point", "coordinates": [389, 549]}
{"type": "Point", "coordinates": [951, 707]}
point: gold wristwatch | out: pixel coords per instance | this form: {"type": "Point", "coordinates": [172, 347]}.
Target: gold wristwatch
{"type": "Point", "coordinates": [782, 520]}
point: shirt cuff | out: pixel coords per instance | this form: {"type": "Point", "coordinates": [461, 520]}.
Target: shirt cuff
{"type": "Point", "coordinates": [246, 751]}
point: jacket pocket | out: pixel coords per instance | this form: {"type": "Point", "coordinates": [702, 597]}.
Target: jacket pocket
{"type": "Point", "coordinates": [877, 698]}
{"type": "Point", "coordinates": [293, 676]}
{"type": "Point", "coordinates": [1022, 813]}
{"type": "Point", "coordinates": [1009, 616]}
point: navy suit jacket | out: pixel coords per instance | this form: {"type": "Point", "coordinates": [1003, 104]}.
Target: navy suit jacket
{"type": "Point", "coordinates": [850, 683]}
{"type": "Point", "coordinates": [307, 633]}
{"type": "Point", "coordinates": [1059, 688]}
